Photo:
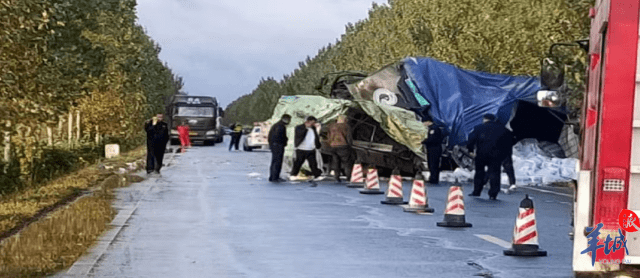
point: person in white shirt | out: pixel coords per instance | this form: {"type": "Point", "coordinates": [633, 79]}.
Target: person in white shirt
{"type": "Point", "coordinates": [306, 141]}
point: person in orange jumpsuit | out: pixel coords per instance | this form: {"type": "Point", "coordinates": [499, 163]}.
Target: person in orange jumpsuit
{"type": "Point", "coordinates": [185, 141]}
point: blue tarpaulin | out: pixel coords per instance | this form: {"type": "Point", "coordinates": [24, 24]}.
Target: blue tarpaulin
{"type": "Point", "coordinates": [458, 98]}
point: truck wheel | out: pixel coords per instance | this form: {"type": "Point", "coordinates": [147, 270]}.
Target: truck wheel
{"type": "Point", "coordinates": [175, 142]}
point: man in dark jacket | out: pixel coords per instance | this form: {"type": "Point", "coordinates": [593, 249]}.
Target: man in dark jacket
{"type": "Point", "coordinates": [306, 141]}
{"type": "Point", "coordinates": [277, 142]}
{"type": "Point", "coordinates": [491, 141]}
{"type": "Point", "coordinates": [433, 144]}
{"type": "Point", "coordinates": [507, 164]}
{"type": "Point", "coordinates": [157, 138]}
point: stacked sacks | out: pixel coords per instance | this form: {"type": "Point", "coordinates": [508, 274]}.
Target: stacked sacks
{"type": "Point", "coordinates": [541, 163]}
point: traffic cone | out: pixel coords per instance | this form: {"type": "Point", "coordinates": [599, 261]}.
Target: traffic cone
{"type": "Point", "coordinates": [454, 212]}
{"type": "Point", "coordinates": [419, 199]}
{"type": "Point", "coordinates": [357, 176]}
{"type": "Point", "coordinates": [525, 233]}
{"type": "Point", "coordinates": [373, 184]}
{"type": "Point", "coordinates": [394, 191]}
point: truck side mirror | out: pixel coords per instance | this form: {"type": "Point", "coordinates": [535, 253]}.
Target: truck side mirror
{"type": "Point", "coordinates": [552, 81]}
{"type": "Point", "coordinates": [220, 112]}
{"type": "Point", "coordinates": [549, 98]}
{"type": "Point", "coordinates": [551, 74]}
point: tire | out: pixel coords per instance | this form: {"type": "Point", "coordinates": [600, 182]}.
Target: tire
{"type": "Point", "coordinates": [175, 142]}
{"type": "Point", "coordinates": [209, 143]}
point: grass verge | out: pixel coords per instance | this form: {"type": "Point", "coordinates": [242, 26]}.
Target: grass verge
{"type": "Point", "coordinates": [56, 241]}
{"type": "Point", "coordinates": [53, 230]}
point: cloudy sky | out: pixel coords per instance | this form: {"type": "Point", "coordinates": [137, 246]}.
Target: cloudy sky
{"type": "Point", "coordinates": [223, 47]}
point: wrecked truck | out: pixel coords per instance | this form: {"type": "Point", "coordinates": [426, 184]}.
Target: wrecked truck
{"type": "Point", "coordinates": [456, 99]}
{"type": "Point", "coordinates": [383, 136]}
{"type": "Point", "coordinates": [385, 109]}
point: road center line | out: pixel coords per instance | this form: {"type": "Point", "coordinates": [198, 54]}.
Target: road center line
{"type": "Point", "coordinates": [548, 191]}
{"type": "Point", "coordinates": [495, 240]}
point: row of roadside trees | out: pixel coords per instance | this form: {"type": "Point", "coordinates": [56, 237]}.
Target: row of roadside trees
{"type": "Point", "coordinates": [497, 36]}
{"type": "Point", "coordinates": [73, 67]}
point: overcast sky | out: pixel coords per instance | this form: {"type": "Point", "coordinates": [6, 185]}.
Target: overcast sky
{"type": "Point", "coordinates": [223, 47]}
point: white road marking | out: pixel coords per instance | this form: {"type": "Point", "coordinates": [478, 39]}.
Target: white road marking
{"type": "Point", "coordinates": [495, 241]}
{"type": "Point", "coordinates": [547, 191]}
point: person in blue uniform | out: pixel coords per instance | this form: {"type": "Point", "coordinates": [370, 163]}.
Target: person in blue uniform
{"type": "Point", "coordinates": [433, 144]}
{"type": "Point", "coordinates": [491, 141]}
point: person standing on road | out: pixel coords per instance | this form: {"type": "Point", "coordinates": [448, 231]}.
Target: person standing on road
{"type": "Point", "coordinates": [235, 136]}
{"type": "Point", "coordinates": [507, 164]}
{"type": "Point", "coordinates": [306, 141]}
{"type": "Point", "coordinates": [185, 140]}
{"type": "Point", "coordinates": [433, 144]}
{"type": "Point", "coordinates": [157, 138]}
{"type": "Point", "coordinates": [340, 147]}
{"type": "Point", "coordinates": [491, 141]}
{"type": "Point", "coordinates": [277, 142]}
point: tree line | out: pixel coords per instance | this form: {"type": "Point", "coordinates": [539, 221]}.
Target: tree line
{"type": "Point", "coordinates": [89, 56]}
{"type": "Point", "coordinates": [496, 36]}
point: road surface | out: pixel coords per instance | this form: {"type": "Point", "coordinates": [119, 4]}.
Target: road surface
{"type": "Point", "coordinates": [212, 213]}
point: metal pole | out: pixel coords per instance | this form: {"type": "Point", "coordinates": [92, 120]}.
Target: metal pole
{"type": "Point", "coordinates": [97, 135]}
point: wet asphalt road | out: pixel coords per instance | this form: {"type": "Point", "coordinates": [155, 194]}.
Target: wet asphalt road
{"type": "Point", "coordinates": [212, 213]}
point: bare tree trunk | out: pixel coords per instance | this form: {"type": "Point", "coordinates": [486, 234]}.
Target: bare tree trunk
{"type": "Point", "coordinates": [97, 135]}
{"type": "Point", "coordinates": [70, 131]}
{"type": "Point", "coordinates": [49, 136]}
{"type": "Point", "coordinates": [7, 144]}
{"type": "Point", "coordinates": [77, 126]}
{"type": "Point", "coordinates": [60, 120]}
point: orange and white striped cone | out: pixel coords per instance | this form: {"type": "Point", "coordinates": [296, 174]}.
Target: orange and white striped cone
{"type": "Point", "coordinates": [525, 233]}
{"type": "Point", "coordinates": [394, 191]}
{"type": "Point", "coordinates": [373, 183]}
{"type": "Point", "coordinates": [454, 212]}
{"type": "Point", "coordinates": [357, 176]}
{"type": "Point", "coordinates": [419, 199]}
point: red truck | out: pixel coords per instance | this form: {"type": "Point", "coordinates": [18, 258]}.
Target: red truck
{"type": "Point", "coordinates": [608, 186]}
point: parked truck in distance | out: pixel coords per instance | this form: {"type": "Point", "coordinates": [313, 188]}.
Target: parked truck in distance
{"type": "Point", "coordinates": [201, 113]}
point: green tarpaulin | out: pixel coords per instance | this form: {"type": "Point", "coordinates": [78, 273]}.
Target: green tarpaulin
{"type": "Point", "coordinates": [400, 124]}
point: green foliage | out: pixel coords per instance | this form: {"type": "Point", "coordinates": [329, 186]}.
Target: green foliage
{"type": "Point", "coordinates": [56, 162]}
{"type": "Point", "coordinates": [10, 177]}
{"type": "Point", "coordinates": [58, 56]}
{"type": "Point", "coordinates": [497, 36]}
